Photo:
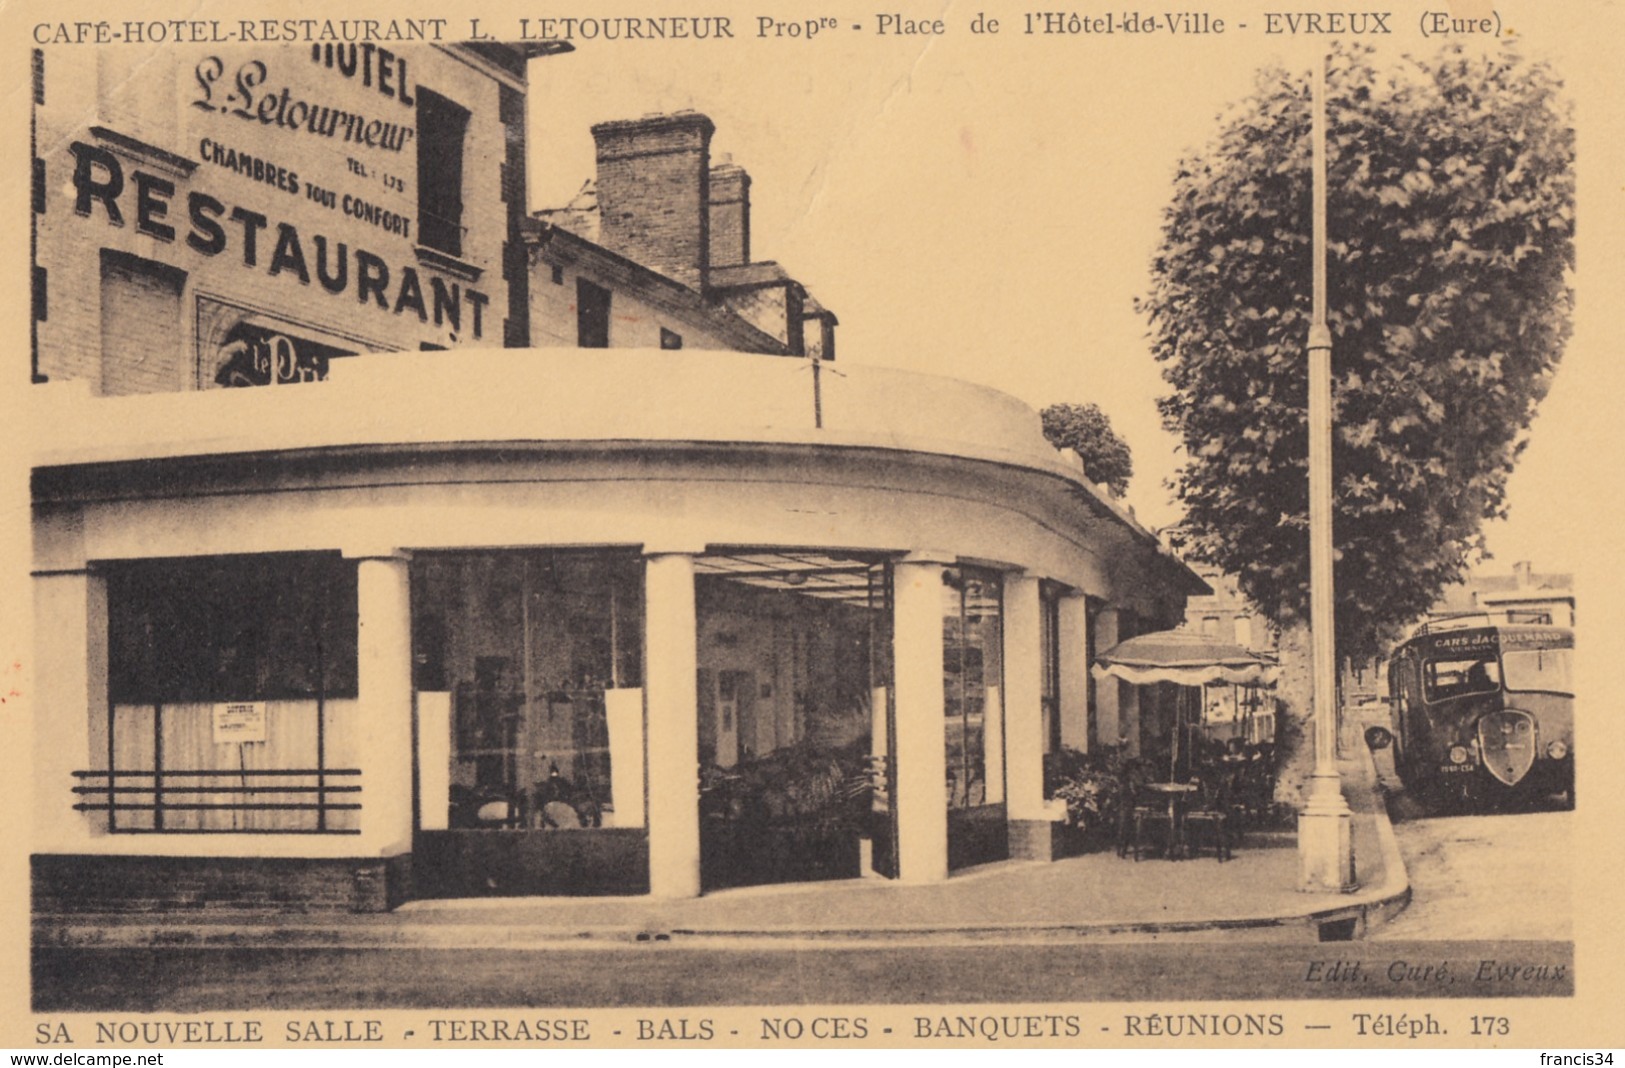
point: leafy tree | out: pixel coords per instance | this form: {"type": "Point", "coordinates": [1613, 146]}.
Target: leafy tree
{"type": "Point", "coordinates": [1450, 221]}
{"type": "Point", "coordinates": [1087, 429]}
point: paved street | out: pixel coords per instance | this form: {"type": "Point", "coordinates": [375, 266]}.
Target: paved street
{"type": "Point", "coordinates": [1499, 875]}
{"type": "Point", "coordinates": [1484, 875]}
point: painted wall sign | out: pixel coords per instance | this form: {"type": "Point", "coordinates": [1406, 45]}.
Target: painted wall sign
{"type": "Point", "coordinates": [249, 94]}
{"type": "Point", "coordinates": [99, 178]}
{"type": "Point", "coordinates": [375, 68]}
{"type": "Point", "coordinates": [259, 356]}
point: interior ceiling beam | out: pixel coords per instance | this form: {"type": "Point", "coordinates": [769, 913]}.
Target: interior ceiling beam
{"type": "Point", "coordinates": [855, 569]}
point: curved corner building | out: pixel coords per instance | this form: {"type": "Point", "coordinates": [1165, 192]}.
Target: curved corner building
{"type": "Point", "coordinates": [540, 554]}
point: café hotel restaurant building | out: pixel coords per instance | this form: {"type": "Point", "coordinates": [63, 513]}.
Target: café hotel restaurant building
{"type": "Point", "coordinates": [391, 542]}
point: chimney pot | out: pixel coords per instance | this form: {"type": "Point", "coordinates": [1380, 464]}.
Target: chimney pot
{"type": "Point", "coordinates": [730, 214]}
{"type": "Point", "coordinates": [654, 192]}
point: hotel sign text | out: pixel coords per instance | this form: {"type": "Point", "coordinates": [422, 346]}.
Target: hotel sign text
{"type": "Point", "coordinates": [248, 97]}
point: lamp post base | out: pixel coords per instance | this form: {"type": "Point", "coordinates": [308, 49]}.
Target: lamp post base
{"type": "Point", "coordinates": [1326, 840]}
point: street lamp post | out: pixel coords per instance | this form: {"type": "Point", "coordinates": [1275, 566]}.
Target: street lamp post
{"type": "Point", "coordinates": [1325, 843]}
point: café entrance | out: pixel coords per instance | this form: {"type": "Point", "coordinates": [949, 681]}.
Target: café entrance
{"type": "Point", "coordinates": [795, 710]}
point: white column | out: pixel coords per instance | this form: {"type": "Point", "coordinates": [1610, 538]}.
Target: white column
{"type": "Point", "coordinates": [672, 656]}
{"type": "Point", "coordinates": [1072, 627]}
{"type": "Point", "coordinates": [384, 702]}
{"type": "Point", "coordinates": [1023, 698]}
{"type": "Point", "coordinates": [921, 803]}
{"type": "Point", "coordinates": [70, 692]}
{"type": "Point", "coordinates": [1108, 716]}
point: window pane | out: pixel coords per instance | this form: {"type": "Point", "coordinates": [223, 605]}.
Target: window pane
{"type": "Point", "coordinates": [592, 315]}
{"type": "Point", "coordinates": [528, 644]}
{"type": "Point", "coordinates": [237, 628]}
{"type": "Point", "coordinates": [1550, 670]}
{"type": "Point", "coordinates": [442, 125]}
{"type": "Point", "coordinates": [972, 662]}
{"type": "Point", "coordinates": [1454, 678]}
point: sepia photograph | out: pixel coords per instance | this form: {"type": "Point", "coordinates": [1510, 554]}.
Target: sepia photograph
{"type": "Point", "coordinates": [741, 527]}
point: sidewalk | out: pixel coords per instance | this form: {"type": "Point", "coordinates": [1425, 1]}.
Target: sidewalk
{"type": "Point", "coordinates": [1098, 896]}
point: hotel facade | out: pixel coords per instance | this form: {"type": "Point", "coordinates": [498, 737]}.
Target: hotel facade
{"type": "Point", "coordinates": [392, 542]}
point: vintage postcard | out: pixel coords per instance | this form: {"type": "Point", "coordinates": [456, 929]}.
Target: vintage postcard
{"type": "Point", "coordinates": [552, 527]}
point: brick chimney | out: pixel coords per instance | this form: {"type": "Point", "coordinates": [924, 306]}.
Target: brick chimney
{"type": "Point", "coordinates": [1524, 571]}
{"type": "Point", "coordinates": [730, 214]}
{"type": "Point", "coordinates": [654, 192]}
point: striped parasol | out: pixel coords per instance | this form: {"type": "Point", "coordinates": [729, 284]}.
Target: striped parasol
{"type": "Point", "coordinates": [1185, 658]}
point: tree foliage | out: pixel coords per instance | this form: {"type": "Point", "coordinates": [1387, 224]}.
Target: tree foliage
{"type": "Point", "coordinates": [1087, 429]}
{"type": "Point", "coordinates": [1450, 220]}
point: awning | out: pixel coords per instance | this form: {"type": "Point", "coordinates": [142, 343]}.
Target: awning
{"type": "Point", "coordinates": [1185, 658]}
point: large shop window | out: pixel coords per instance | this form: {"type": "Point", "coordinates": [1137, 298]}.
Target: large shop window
{"type": "Point", "coordinates": [231, 682]}
{"type": "Point", "coordinates": [232, 628]}
{"type": "Point", "coordinates": [541, 656]}
{"type": "Point", "coordinates": [442, 128]}
{"type": "Point", "coordinates": [972, 674]}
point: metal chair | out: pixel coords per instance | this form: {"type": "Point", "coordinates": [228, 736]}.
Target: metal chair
{"type": "Point", "coordinates": [1211, 811]}
{"type": "Point", "coordinates": [1148, 818]}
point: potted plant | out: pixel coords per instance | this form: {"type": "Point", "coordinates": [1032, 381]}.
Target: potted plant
{"type": "Point", "coordinates": [1092, 786]}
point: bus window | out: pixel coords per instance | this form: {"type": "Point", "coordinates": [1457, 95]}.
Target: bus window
{"type": "Point", "coordinates": [1454, 678]}
{"type": "Point", "coordinates": [1550, 670]}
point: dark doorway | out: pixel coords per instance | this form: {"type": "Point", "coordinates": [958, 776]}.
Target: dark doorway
{"type": "Point", "coordinates": [794, 717]}
{"type": "Point", "coordinates": [592, 315]}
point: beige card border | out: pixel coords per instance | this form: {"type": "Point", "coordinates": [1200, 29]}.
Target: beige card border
{"type": "Point", "coordinates": [1581, 35]}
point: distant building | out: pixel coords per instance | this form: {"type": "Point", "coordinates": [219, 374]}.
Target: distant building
{"type": "Point", "coordinates": [655, 252]}
{"type": "Point", "coordinates": [1524, 596]}
{"type": "Point", "coordinates": [1227, 615]}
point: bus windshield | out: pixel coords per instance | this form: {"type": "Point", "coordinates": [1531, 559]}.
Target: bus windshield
{"type": "Point", "coordinates": [1445, 679]}
{"type": "Point", "coordinates": [1551, 670]}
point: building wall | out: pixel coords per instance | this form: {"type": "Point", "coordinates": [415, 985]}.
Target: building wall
{"type": "Point", "coordinates": [887, 503]}
{"type": "Point", "coordinates": [149, 152]}
{"type": "Point", "coordinates": [1226, 615]}
{"type": "Point", "coordinates": [634, 323]}
{"type": "Point", "coordinates": [148, 883]}
{"type": "Point", "coordinates": [775, 310]}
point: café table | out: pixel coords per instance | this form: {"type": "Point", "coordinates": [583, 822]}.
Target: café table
{"type": "Point", "coordinates": [1178, 795]}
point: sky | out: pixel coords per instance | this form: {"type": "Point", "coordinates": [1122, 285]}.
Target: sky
{"type": "Point", "coordinates": [987, 207]}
